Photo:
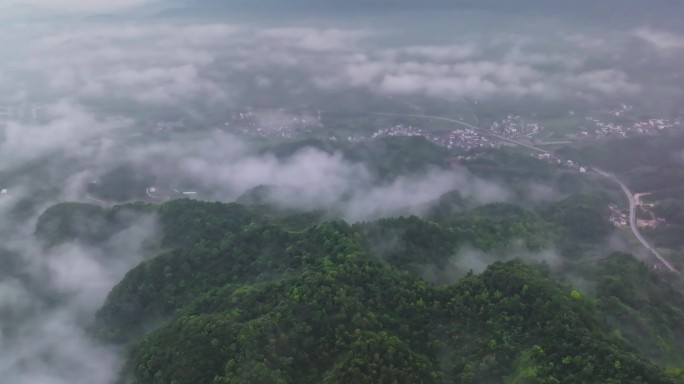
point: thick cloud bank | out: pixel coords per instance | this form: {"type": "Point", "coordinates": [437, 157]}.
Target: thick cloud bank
{"type": "Point", "coordinates": [225, 64]}
{"type": "Point", "coordinates": [48, 298]}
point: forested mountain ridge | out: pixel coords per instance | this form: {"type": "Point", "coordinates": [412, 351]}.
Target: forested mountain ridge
{"type": "Point", "coordinates": [357, 321]}
{"type": "Point", "coordinates": [642, 308]}
{"type": "Point", "coordinates": [240, 294]}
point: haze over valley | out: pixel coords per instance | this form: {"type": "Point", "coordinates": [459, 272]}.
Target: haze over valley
{"type": "Point", "coordinates": [320, 191]}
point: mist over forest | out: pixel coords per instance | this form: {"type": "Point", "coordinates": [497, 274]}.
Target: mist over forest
{"type": "Point", "coordinates": [324, 191]}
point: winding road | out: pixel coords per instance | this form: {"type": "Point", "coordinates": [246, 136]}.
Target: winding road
{"type": "Point", "coordinates": [627, 192]}
{"type": "Point", "coordinates": [632, 220]}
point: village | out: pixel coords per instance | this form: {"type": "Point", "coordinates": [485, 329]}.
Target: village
{"type": "Point", "coordinates": [618, 217]}
{"type": "Point", "coordinates": [465, 138]}
{"type": "Point", "coordinates": [162, 194]}
{"type": "Point", "coordinates": [569, 164]}
{"type": "Point", "coordinates": [647, 127]}
{"type": "Point", "coordinates": [282, 124]}
{"type": "Point", "coordinates": [603, 128]}
{"type": "Point", "coordinates": [272, 123]}
{"type": "Point", "coordinates": [514, 127]}
{"type": "Point", "coordinates": [647, 219]}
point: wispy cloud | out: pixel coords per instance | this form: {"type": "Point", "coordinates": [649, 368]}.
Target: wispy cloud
{"type": "Point", "coordinates": [661, 40]}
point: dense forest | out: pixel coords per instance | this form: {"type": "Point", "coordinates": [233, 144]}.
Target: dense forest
{"type": "Point", "coordinates": [248, 294]}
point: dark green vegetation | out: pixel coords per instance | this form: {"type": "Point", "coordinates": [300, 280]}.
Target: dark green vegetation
{"type": "Point", "coordinates": [519, 171]}
{"type": "Point", "coordinates": [579, 222]}
{"type": "Point", "coordinates": [645, 163]}
{"type": "Point", "coordinates": [652, 165]}
{"type": "Point", "coordinates": [88, 223]}
{"type": "Point", "coordinates": [669, 235]}
{"type": "Point", "coordinates": [122, 184]}
{"type": "Point", "coordinates": [641, 307]}
{"type": "Point", "coordinates": [245, 295]}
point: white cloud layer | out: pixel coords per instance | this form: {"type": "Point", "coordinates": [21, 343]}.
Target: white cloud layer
{"type": "Point", "coordinates": [661, 40]}
{"type": "Point", "coordinates": [161, 64]}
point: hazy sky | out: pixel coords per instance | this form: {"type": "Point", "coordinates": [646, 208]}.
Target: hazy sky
{"type": "Point", "coordinates": [78, 5]}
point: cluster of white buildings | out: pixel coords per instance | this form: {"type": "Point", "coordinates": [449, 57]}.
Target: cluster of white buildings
{"type": "Point", "coordinates": [654, 125]}
{"type": "Point", "coordinates": [469, 157]}
{"type": "Point", "coordinates": [242, 115]}
{"type": "Point", "coordinates": [156, 193]}
{"type": "Point", "coordinates": [271, 124]}
{"type": "Point", "coordinates": [352, 139]}
{"type": "Point", "coordinates": [514, 127]}
{"type": "Point", "coordinates": [569, 164]}
{"type": "Point", "coordinates": [279, 131]}
{"type": "Point", "coordinates": [466, 138]}
{"type": "Point", "coordinates": [617, 217]}
{"type": "Point", "coordinates": [646, 127]}
{"type": "Point", "coordinates": [399, 130]}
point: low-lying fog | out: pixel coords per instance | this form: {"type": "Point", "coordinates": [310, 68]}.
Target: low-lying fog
{"type": "Point", "coordinates": [83, 80]}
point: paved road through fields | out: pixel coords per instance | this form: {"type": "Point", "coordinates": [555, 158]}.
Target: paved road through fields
{"type": "Point", "coordinates": [632, 220]}
{"type": "Point", "coordinates": [627, 192]}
